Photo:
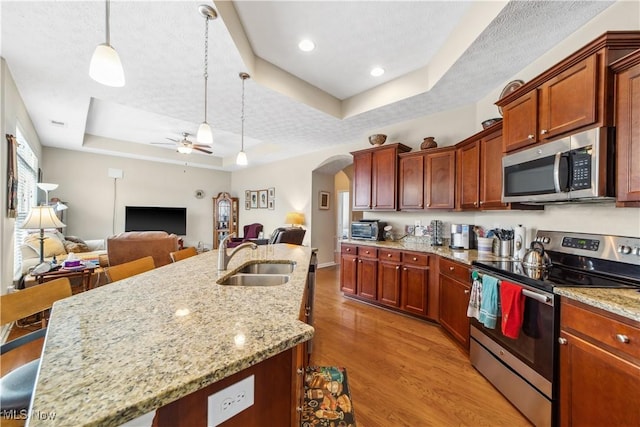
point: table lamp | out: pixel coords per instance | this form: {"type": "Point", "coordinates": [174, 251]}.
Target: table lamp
{"type": "Point", "coordinates": [296, 219]}
{"type": "Point", "coordinates": [39, 218]}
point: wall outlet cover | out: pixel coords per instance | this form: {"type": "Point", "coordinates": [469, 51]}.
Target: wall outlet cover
{"type": "Point", "coordinates": [230, 401]}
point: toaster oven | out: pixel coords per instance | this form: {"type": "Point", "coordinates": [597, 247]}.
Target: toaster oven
{"type": "Point", "coordinates": [368, 229]}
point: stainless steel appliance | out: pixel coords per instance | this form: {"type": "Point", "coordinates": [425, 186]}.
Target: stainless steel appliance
{"type": "Point", "coordinates": [462, 237]}
{"type": "Point", "coordinates": [368, 229]}
{"type": "Point", "coordinates": [525, 369]}
{"type": "Point", "coordinates": [580, 167]}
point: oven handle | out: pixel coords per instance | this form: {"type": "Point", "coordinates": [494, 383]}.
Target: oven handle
{"type": "Point", "coordinates": [538, 297]}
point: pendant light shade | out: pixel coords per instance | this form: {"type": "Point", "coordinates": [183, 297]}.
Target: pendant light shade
{"type": "Point", "coordinates": [204, 135]}
{"type": "Point", "coordinates": [241, 159]}
{"type": "Point", "coordinates": [105, 66]}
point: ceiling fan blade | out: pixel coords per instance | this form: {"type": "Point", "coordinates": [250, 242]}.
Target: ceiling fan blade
{"type": "Point", "coordinates": [162, 143]}
{"type": "Point", "coordinates": [174, 140]}
{"type": "Point", "coordinates": [201, 145]}
{"type": "Point", "coordinates": [203, 150]}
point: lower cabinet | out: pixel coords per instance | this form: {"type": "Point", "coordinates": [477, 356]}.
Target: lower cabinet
{"type": "Point", "coordinates": [389, 276]}
{"type": "Point", "coordinates": [599, 367]}
{"type": "Point", "coordinates": [454, 299]}
{"type": "Point", "coordinates": [367, 274]}
{"type": "Point", "coordinates": [419, 294]}
{"type": "Point", "coordinates": [348, 269]}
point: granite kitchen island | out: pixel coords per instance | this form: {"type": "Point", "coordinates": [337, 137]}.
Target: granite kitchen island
{"type": "Point", "coordinates": [128, 348]}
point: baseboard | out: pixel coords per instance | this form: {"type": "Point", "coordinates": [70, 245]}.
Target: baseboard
{"type": "Point", "coordinates": [326, 264]}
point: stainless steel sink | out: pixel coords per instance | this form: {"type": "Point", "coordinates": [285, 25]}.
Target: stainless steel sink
{"type": "Point", "coordinates": [269, 268]}
{"type": "Point", "coordinates": [244, 279]}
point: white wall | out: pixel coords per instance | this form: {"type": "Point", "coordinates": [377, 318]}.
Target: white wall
{"type": "Point", "coordinates": [12, 112]}
{"type": "Point", "coordinates": [89, 192]}
{"type": "Point", "coordinates": [323, 229]}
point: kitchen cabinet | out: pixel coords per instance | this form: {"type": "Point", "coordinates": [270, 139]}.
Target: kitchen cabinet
{"type": "Point", "coordinates": [599, 367]}
{"type": "Point", "coordinates": [454, 299]}
{"type": "Point", "coordinates": [441, 178]}
{"type": "Point", "coordinates": [389, 265]}
{"type": "Point", "coordinates": [412, 181]}
{"type": "Point", "coordinates": [419, 294]}
{"type": "Point", "coordinates": [468, 175]}
{"type": "Point", "coordinates": [367, 274]}
{"type": "Point", "coordinates": [348, 268]}
{"type": "Point", "coordinates": [627, 121]}
{"type": "Point", "coordinates": [225, 217]}
{"type": "Point", "coordinates": [375, 177]}
{"type": "Point", "coordinates": [575, 94]}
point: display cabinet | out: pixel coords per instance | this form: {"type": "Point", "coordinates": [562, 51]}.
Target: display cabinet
{"type": "Point", "coordinates": [225, 217]}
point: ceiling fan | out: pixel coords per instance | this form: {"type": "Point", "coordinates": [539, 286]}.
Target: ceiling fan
{"type": "Point", "coordinates": [185, 146]}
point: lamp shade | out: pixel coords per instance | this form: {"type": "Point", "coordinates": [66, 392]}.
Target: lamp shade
{"type": "Point", "coordinates": [185, 149]}
{"type": "Point", "coordinates": [106, 67]}
{"type": "Point", "coordinates": [294, 218]}
{"type": "Point", "coordinates": [41, 217]}
{"type": "Point", "coordinates": [241, 160]}
{"type": "Point", "coordinates": [204, 135]}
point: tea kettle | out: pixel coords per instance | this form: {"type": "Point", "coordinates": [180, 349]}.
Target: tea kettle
{"type": "Point", "coordinates": [536, 257]}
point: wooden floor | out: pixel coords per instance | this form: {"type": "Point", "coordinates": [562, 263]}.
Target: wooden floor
{"type": "Point", "coordinates": [402, 371]}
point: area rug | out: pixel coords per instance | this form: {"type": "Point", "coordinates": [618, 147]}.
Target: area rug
{"type": "Point", "coordinates": [327, 401]}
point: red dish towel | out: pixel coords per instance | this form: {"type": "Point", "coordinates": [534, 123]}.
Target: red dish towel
{"type": "Point", "coordinates": [512, 302]}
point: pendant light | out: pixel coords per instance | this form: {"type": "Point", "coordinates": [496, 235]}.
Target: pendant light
{"type": "Point", "coordinates": [241, 160]}
{"type": "Point", "coordinates": [204, 135]}
{"type": "Point", "coordinates": [105, 66]}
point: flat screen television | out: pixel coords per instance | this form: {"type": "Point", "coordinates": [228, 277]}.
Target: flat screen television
{"type": "Point", "coordinates": [153, 218]}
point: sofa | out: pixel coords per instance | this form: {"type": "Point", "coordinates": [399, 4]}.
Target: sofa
{"type": "Point", "coordinates": [58, 245]}
{"type": "Point", "coordinates": [132, 245]}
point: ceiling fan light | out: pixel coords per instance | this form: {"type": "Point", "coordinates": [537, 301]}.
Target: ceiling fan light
{"type": "Point", "coordinates": [204, 135]}
{"type": "Point", "coordinates": [185, 149]}
{"type": "Point", "coordinates": [105, 66]}
{"type": "Point", "coordinates": [241, 160]}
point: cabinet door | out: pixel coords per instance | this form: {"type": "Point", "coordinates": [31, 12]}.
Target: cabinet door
{"type": "Point", "coordinates": [412, 182]}
{"type": "Point", "coordinates": [348, 273]}
{"type": "Point", "coordinates": [415, 285]}
{"type": "Point", "coordinates": [441, 169]}
{"type": "Point", "coordinates": [384, 170]}
{"type": "Point", "coordinates": [367, 278]}
{"type": "Point", "coordinates": [597, 388]}
{"type": "Point", "coordinates": [628, 136]}
{"type": "Point", "coordinates": [454, 300]}
{"type": "Point", "coordinates": [468, 175]}
{"type": "Point", "coordinates": [389, 283]}
{"type": "Point", "coordinates": [520, 122]}
{"type": "Point", "coordinates": [491, 171]}
{"type": "Point", "coordinates": [362, 169]}
{"type": "Point", "coordinates": [568, 101]}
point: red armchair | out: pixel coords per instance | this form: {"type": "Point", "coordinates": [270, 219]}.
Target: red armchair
{"type": "Point", "coordinates": [251, 231]}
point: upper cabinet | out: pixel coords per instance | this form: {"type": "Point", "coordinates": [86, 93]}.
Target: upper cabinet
{"type": "Point", "coordinates": [441, 178]}
{"type": "Point", "coordinates": [573, 95]}
{"type": "Point", "coordinates": [627, 120]}
{"type": "Point", "coordinates": [375, 183]}
{"type": "Point", "coordinates": [412, 181]}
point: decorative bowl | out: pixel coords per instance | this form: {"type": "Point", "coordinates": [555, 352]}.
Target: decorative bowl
{"type": "Point", "coordinates": [490, 122]}
{"type": "Point", "coordinates": [428, 142]}
{"type": "Point", "coordinates": [377, 139]}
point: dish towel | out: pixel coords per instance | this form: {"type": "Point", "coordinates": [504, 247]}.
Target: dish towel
{"type": "Point", "coordinates": [474, 299]}
{"type": "Point", "coordinates": [489, 302]}
{"type": "Point", "coordinates": [512, 302]}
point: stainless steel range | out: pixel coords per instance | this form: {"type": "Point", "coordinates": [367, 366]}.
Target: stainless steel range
{"type": "Point", "coordinates": [524, 370]}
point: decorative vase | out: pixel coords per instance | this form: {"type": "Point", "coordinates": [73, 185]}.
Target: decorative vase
{"type": "Point", "coordinates": [428, 143]}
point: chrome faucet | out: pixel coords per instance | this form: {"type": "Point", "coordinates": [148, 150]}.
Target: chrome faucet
{"type": "Point", "coordinates": [223, 257]}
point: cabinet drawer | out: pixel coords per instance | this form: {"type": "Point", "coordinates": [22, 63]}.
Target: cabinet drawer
{"type": "Point", "coordinates": [389, 255]}
{"type": "Point", "coordinates": [601, 328]}
{"type": "Point", "coordinates": [367, 252]}
{"type": "Point", "coordinates": [414, 258]}
{"type": "Point", "coordinates": [349, 249]}
{"type": "Point", "coordinates": [455, 270]}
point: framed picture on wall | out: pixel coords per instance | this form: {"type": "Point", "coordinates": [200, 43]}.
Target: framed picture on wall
{"type": "Point", "coordinates": [271, 204]}
{"type": "Point", "coordinates": [324, 200]}
{"type": "Point", "coordinates": [254, 200]}
{"type": "Point", "coordinates": [247, 195]}
{"type": "Point", "coordinates": [271, 195]}
{"type": "Point", "coordinates": [262, 199]}
{"type": "Point", "coordinates": [247, 204]}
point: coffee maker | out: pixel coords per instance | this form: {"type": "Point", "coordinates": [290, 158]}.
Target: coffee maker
{"type": "Point", "coordinates": [462, 236]}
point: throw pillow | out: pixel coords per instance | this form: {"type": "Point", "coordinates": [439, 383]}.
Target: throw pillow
{"type": "Point", "coordinates": [52, 244]}
{"type": "Point", "coordinates": [75, 247]}
{"type": "Point", "coordinates": [75, 239]}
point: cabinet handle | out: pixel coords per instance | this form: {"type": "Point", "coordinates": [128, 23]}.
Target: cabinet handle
{"type": "Point", "coordinates": [562, 341]}
{"type": "Point", "coordinates": [544, 132]}
{"type": "Point", "coordinates": [355, 259]}
{"type": "Point", "coordinates": [404, 268]}
{"type": "Point", "coordinates": [622, 338]}
{"type": "Point", "coordinates": [451, 268]}
{"type": "Point", "coordinates": [530, 136]}
{"type": "Point", "coordinates": [348, 249]}
{"type": "Point", "coordinates": [366, 252]}
{"type": "Point", "coordinates": [389, 255]}
{"type": "Point", "coordinates": [428, 204]}
{"type": "Point", "coordinates": [298, 408]}
{"type": "Point", "coordinates": [466, 291]}
{"type": "Point", "coordinates": [398, 267]}
{"type": "Point", "coordinates": [415, 259]}
{"type": "Point", "coordinates": [481, 203]}
{"type": "Point", "coordinates": [360, 261]}
{"type": "Point", "coordinates": [300, 371]}
{"type": "Point", "coordinates": [419, 205]}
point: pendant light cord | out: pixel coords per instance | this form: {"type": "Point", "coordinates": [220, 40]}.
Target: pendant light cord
{"type": "Point", "coordinates": [206, 64]}
{"type": "Point", "coordinates": [242, 119]}
{"type": "Point", "coordinates": [108, 12]}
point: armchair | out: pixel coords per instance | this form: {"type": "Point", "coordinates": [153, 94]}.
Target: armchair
{"type": "Point", "coordinates": [251, 231]}
{"type": "Point", "coordinates": [293, 235]}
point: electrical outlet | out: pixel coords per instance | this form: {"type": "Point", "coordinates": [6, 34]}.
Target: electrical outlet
{"type": "Point", "coordinates": [230, 401]}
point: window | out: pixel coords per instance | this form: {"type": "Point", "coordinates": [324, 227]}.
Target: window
{"type": "Point", "coordinates": [27, 193]}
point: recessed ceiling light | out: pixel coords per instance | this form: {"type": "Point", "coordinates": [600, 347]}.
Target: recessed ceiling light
{"type": "Point", "coordinates": [306, 45]}
{"type": "Point", "coordinates": [377, 72]}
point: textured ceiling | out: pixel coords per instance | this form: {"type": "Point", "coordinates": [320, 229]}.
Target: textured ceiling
{"type": "Point", "coordinates": [161, 46]}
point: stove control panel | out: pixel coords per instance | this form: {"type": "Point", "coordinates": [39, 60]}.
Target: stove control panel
{"type": "Point", "coordinates": [607, 247]}
{"type": "Point", "coordinates": [580, 243]}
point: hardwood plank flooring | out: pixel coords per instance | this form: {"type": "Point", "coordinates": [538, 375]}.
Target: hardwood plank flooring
{"type": "Point", "coordinates": [402, 371]}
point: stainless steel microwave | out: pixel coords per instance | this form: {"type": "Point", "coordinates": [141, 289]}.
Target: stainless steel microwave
{"type": "Point", "coordinates": [368, 229]}
{"type": "Point", "coordinates": [572, 169]}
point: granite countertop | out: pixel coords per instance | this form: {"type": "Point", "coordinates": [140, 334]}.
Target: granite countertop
{"type": "Point", "coordinates": [122, 350]}
{"type": "Point", "coordinates": [624, 302]}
